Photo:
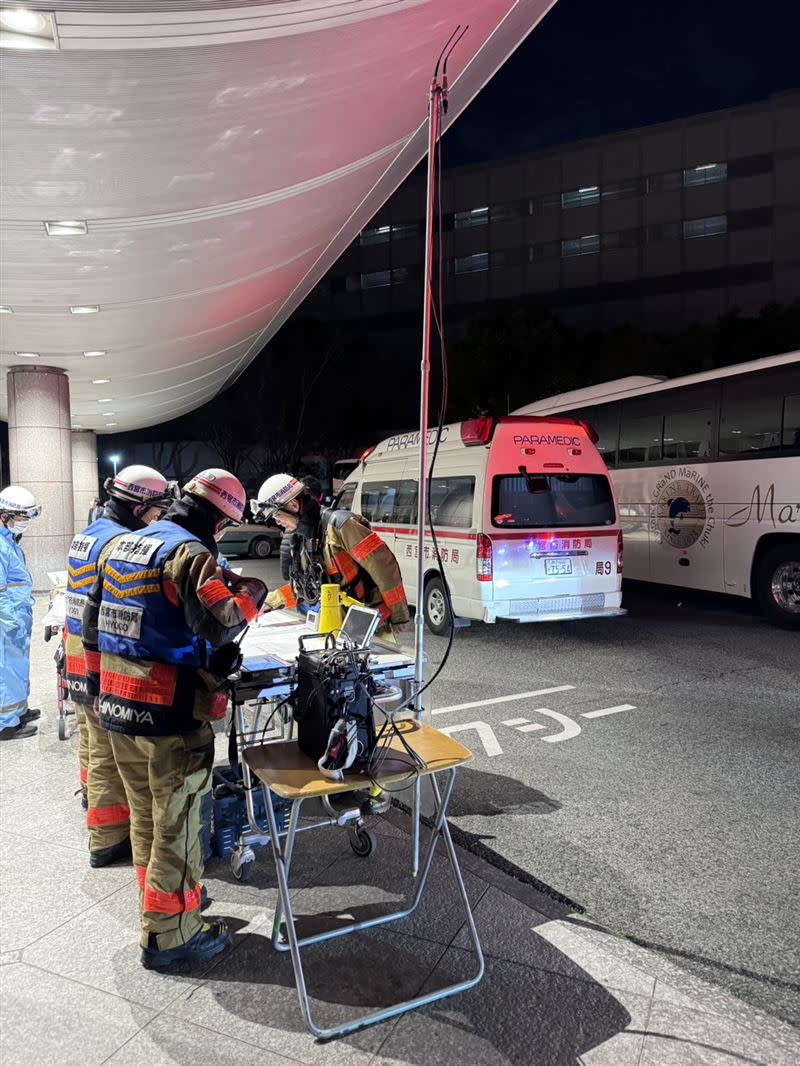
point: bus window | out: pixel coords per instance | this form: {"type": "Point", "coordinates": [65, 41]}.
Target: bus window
{"type": "Point", "coordinates": [565, 501]}
{"type": "Point", "coordinates": [687, 435]}
{"type": "Point", "coordinates": [750, 423]}
{"type": "Point", "coordinates": [791, 422]}
{"type": "Point", "coordinates": [640, 439]}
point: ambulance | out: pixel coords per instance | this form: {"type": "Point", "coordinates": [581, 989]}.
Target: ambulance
{"type": "Point", "coordinates": [525, 515]}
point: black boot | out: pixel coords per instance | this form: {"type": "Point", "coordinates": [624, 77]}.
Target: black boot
{"type": "Point", "coordinates": [18, 732]}
{"type": "Point", "coordinates": [207, 942]}
{"type": "Point", "coordinates": [113, 853]}
{"type": "Point", "coordinates": [30, 716]}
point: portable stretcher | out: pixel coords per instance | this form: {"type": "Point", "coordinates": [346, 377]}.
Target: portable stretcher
{"type": "Point", "coordinates": [53, 626]}
{"type": "Point", "coordinates": [261, 713]}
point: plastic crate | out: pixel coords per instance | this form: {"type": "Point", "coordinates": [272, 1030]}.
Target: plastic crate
{"type": "Point", "coordinates": [230, 815]}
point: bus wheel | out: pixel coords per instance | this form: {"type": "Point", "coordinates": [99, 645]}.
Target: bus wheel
{"type": "Point", "coordinates": [437, 614]}
{"type": "Point", "coordinates": [778, 585]}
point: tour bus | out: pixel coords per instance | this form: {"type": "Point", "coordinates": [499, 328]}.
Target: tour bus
{"type": "Point", "coordinates": [525, 516]}
{"type": "Point", "coordinates": [707, 471]}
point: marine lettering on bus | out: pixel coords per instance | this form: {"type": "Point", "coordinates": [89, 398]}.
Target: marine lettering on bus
{"type": "Point", "coordinates": [763, 508]}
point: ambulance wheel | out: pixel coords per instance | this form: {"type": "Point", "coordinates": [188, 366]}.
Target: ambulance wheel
{"type": "Point", "coordinates": [261, 548]}
{"type": "Point", "coordinates": [62, 729]}
{"type": "Point", "coordinates": [436, 611]}
{"type": "Point", "coordinates": [363, 842]}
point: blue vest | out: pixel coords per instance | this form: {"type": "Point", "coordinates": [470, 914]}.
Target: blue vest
{"type": "Point", "coordinates": [136, 619]}
{"type": "Point", "coordinates": [82, 567]}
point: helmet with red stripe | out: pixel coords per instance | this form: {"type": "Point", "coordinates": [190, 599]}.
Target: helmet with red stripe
{"type": "Point", "coordinates": [140, 484]}
{"type": "Point", "coordinates": [220, 489]}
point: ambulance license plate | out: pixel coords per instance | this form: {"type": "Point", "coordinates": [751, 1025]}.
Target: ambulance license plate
{"type": "Point", "coordinates": [557, 567]}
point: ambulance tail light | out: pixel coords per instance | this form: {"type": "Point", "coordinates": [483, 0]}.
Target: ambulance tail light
{"type": "Point", "coordinates": [477, 431]}
{"type": "Point", "coordinates": [483, 558]}
{"type": "Point", "coordinates": [619, 552]}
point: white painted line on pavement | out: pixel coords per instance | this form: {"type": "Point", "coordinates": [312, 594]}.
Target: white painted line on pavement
{"type": "Point", "coordinates": [569, 728]}
{"type": "Point", "coordinates": [608, 710]}
{"type": "Point", "coordinates": [516, 721]}
{"type": "Point", "coordinates": [484, 731]}
{"type": "Point", "coordinates": [530, 727]}
{"type": "Point", "coordinates": [502, 699]}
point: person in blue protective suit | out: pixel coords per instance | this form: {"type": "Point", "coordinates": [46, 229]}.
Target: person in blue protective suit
{"type": "Point", "coordinates": [17, 509]}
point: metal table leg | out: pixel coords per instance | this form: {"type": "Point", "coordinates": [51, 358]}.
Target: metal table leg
{"type": "Point", "coordinates": [282, 853]}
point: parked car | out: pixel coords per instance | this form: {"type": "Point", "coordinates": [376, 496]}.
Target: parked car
{"type": "Point", "coordinates": [259, 541]}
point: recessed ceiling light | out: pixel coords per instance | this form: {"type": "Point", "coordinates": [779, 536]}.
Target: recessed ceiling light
{"type": "Point", "coordinates": [77, 425]}
{"type": "Point", "coordinates": [6, 310]}
{"type": "Point", "coordinates": [111, 423]}
{"type": "Point", "coordinates": [27, 355]}
{"type": "Point", "coordinates": [20, 20]}
{"type": "Point", "coordinates": [84, 309]}
{"type": "Point", "coordinates": [101, 381]}
{"type": "Point", "coordinates": [108, 414]}
{"type": "Point", "coordinates": [65, 229]}
{"type": "Point", "coordinates": [26, 29]}
{"type": "Point", "coordinates": [94, 355]}
{"type": "Point", "coordinates": [107, 399]}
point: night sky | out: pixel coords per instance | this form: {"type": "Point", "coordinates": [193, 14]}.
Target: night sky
{"type": "Point", "coordinates": [592, 67]}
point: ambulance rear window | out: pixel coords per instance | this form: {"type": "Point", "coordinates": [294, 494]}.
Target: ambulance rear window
{"type": "Point", "coordinates": [551, 501]}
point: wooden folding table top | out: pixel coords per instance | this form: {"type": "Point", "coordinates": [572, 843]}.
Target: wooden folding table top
{"type": "Point", "coordinates": [292, 775]}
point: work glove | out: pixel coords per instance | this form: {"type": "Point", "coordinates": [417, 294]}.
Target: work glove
{"type": "Point", "coordinates": [225, 660]}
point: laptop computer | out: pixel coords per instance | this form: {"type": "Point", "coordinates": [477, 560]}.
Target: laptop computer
{"type": "Point", "coordinates": [358, 628]}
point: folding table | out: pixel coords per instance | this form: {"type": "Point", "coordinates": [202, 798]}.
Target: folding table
{"type": "Point", "coordinates": [283, 769]}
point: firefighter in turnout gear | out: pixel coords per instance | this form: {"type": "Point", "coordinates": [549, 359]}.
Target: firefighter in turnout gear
{"type": "Point", "coordinates": [138, 495]}
{"type": "Point", "coordinates": [165, 614]}
{"type": "Point", "coordinates": [341, 543]}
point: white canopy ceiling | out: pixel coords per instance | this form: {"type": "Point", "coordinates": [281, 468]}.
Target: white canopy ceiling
{"type": "Point", "coordinates": [222, 156]}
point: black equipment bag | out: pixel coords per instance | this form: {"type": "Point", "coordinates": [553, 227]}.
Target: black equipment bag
{"type": "Point", "coordinates": [333, 684]}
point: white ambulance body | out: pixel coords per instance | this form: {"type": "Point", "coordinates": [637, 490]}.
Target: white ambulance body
{"type": "Point", "coordinates": [525, 515]}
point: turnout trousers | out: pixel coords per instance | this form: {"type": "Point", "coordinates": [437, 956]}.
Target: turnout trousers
{"type": "Point", "coordinates": [108, 816]}
{"type": "Point", "coordinates": [165, 779]}
{"type": "Point", "coordinates": [83, 746]}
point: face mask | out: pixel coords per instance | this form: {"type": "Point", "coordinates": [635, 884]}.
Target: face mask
{"type": "Point", "coordinates": [20, 525]}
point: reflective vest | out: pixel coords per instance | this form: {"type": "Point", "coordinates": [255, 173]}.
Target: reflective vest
{"type": "Point", "coordinates": [151, 691]}
{"type": "Point", "coordinates": [81, 573]}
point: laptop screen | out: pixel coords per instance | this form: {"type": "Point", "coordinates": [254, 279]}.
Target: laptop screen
{"type": "Point", "coordinates": [358, 627]}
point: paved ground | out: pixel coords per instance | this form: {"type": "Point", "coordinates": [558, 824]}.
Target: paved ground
{"type": "Point", "coordinates": [672, 818]}
{"type": "Point", "coordinates": [560, 988]}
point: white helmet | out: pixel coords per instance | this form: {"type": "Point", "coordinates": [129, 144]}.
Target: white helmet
{"type": "Point", "coordinates": [17, 502]}
{"type": "Point", "coordinates": [139, 484]}
{"type": "Point", "coordinates": [275, 493]}
{"type": "Point", "coordinates": [221, 489]}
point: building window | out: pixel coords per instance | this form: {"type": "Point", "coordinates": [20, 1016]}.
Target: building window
{"type": "Point", "coordinates": [706, 174]}
{"type": "Point", "coordinates": [399, 275]}
{"type": "Point", "coordinates": [375, 235]}
{"type": "Point", "coordinates": [505, 212]}
{"type": "Point", "coordinates": [712, 226]}
{"type": "Point", "coordinates": [672, 179]}
{"type": "Point", "coordinates": [622, 190]}
{"type": "Point", "coordinates": [663, 231]}
{"type": "Point", "coordinates": [589, 194]}
{"type": "Point", "coordinates": [469, 264]}
{"type": "Point", "coordinates": [622, 238]}
{"type": "Point", "coordinates": [545, 250]}
{"type": "Point", "coordinates": [377, 279]}
{"type": "Point", "coordinates": [581, 245]}
{"type": "Point", "coordinates": [404, 229]}
{"type": "Point", "coordinates": [477, 216]}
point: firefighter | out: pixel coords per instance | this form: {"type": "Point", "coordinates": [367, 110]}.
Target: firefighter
{"type": "Point", "coordinates": [138, 495]}
{"type": "Point", "coordinates": [350, 554]}
{"type": "Point", "coordinates": [165, 614]}
{"type": "Point", "coordinates": [17, 508]}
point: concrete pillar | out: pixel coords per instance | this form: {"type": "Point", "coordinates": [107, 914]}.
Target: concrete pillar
{"type": "Point", "coordinates": [84, 474]}
{"type": "Point", "coordinates": [40, 454]}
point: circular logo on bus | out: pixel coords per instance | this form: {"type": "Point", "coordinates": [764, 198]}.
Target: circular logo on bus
{"type": "Point", "coordinates": [680, 513]}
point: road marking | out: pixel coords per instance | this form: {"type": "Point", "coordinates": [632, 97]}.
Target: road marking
{"type": "Point", "coordinates": [608, 710]}
{"type": "Point", "coordinates": [569, 728]}
{"type": "Point", "coordinates": [485, 733]}
{"type": "Point", "coordinates": [530, 727]}
{"type": "Point", "coordinates": [516, 721]}
{"type": "Point", "coordinates": [502, 699]}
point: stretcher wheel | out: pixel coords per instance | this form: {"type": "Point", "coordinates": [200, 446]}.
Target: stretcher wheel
{"type": "Point", "coordinates": [363, 841]}
{"type": "Point", "coordinates": [62, 729]}
{"type": "Point", "coordinates": [242, 865]}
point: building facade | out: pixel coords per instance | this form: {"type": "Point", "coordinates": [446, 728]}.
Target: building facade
{"type": "Point", "coordinates": [660, 227]}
